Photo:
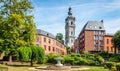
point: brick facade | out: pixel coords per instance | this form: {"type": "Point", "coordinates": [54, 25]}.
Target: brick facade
{"type": "Point", "coordinates": [50, 45]}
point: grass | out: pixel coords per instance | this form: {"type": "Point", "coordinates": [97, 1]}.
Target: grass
{"type": "Point", "coordinates": [27, 68]}
{"type": "Point", "coordinates": [95, 68]}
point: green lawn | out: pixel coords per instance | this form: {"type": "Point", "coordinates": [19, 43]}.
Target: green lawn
{"type": "Point", "coordinates": [27, 68]}
{"type": "Point", "coordinates": [95, 68]}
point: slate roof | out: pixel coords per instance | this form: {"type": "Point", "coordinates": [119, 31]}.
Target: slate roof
{"type": "Point", "coordinates": [94, 25]}
{"type": "Point", "coordinates": [42, 32]}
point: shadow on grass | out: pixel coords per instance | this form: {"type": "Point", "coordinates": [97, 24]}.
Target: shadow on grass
{"type": "Point", "coordinates": [21, 66]}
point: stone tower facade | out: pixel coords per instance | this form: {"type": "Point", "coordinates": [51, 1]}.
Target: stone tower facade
{"type": "Point", "coordinates": [69, 29]}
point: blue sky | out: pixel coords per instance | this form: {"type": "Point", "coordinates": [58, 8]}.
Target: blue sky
{"type": "Point", "coordinates": [50, 14]}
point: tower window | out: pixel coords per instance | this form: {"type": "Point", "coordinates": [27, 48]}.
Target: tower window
{"type": "Point", "coordinates": [71, 33]}
{"type": "Point", "coordinates": [100, 27]}
{"type": "Point", "coordinates": [71, 23]}
{"type": "Point", "coordinates": [67, 24]}
{"type": "Point", "coordinates": [71, 41]}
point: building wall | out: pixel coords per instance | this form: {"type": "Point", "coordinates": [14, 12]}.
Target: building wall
{"type": "Point", "coordinates": [108, 46]}
{"type": "Point", "coordinates": [50, 45]}
{"type": "Point", "coordinates": [89, 40]}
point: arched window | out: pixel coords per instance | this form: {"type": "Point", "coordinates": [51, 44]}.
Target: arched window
{"type": "Point", "coordinates": [71, 23]}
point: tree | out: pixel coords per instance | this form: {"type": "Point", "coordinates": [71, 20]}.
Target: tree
{"type": "Point", "coordinates": [116, 40]}
{"type": "Point", "coordinates": [32, 53]}
{"type": "Point", "coordinates": [68, 49]}
{"type": "Point", "coordinates": [17, 27]}
{"type": "Point", "coordinates": [59, 37]}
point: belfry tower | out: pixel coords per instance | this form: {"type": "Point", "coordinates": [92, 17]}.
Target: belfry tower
{"type": "Point", "coordinates": [69, 29]}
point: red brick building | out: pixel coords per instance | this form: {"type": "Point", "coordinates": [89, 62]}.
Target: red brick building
{"type": "Point", "coordinates": [93, 38]}
{"type": "Point", "coordinates": [49, 43]}
{"type": "Point", "coordinates": [108, 45]}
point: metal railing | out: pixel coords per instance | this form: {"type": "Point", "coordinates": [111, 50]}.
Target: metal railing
{"type": "Point", "coordinates": [3, 69]}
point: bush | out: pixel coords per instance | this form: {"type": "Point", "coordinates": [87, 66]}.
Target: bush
{"type": "Point", "coordinates": [115, 58]}
{"type": "Point", "coordinates": [109, 64]}
{"type": "Point", "coordinates": [68, 59]}
{"type": "Point", "coordinates": [113, 68]}
{"type": "Point", "coordinates": [51, 58]}
{"type": "Point", "coordinates": [81, 61]}
{"type": "Point", "coordinates": [118, 66]}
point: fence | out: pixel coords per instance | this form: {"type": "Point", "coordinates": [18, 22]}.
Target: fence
{"type": "Point", "coordinates": [3, 69]}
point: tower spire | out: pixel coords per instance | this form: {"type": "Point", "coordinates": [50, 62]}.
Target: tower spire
{"type": "Point", "coordinates": [70, 12]}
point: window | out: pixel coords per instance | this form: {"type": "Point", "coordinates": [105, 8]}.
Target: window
{"type": "Point", "coordinates": [71, 41]}
{"type": "Point", "coordinates": [37, 39]}
{"type": "Point", "coordinates": [71, 23]}
{"type": "Point", "coordinates": [96, 48]}
{"type": "Point", "coordinates": [49, 48]}
{"type": "Point", "coordinates": [67, 24]}
{"type": "Point", "coordinates": [100, 27]}
{"type": "Point", "coordinates": [95, 32]}
{"type": "Point", "coordinates": [45, 47]}
{"type": "Point", "coordinates": [108, 49]}
{"type": "Point", "coordinates": [107, 41]}
{"type": "Point", "coordinates": [71, 33]}
{"type": "Point", "coordinates": [44, 39]}
{"type": "Point", "coordinates": [95, 37]}
{"type": "Point", "coordinates": [111, 49]}
{"type": "Point", "coordinates": [47, 34]}
{"type": "Point", "coordinates": [101, 48]}
{"type": "Point", "coordinates": [49, 41]}
{"type": "Point", "coordinates": [53, 48]}
{"type": "Point", "coordinates": [37, 44]}
{"type": "Point", "coordinates": [101, 37]}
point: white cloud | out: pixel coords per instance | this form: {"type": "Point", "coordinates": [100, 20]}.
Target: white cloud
{"type": "Point", "coordinates": [112, 25]}
{"type": "Point", "coordinates": [51, 19]}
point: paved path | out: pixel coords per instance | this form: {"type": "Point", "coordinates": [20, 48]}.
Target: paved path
{"type": "Point", "coordinates": [82, 68]}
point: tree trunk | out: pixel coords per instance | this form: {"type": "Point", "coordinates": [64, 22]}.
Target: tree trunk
{"type": "Point", "coordinates": [31, 63]}
{"type": "Point", "coordinates": [115, 51]}
{"type": "Point", "coordinates": [10, 59]}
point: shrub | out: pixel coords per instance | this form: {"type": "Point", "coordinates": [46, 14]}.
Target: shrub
{"type": "Point", "coordinates": [109, 64]}
{"type": "Point", "coordinates": [115, 58]}
{"type": "Point", "coordinates": [69, 60]}
{"type": "Point", "coordinates": [113, 68]}
{"type": "Point", "coordinates": [118, 66]}
{"type": "Point", "coordinates": [99, 59]}
{"type": "Point", "coordinates": [51, 58]}
{"type": "Point", "coordinates": [81, 61]}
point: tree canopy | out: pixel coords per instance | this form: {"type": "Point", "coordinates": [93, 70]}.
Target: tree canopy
{"type": "Point", "coordinates": [16, 25]}
{"type": "Point", "coordinates": [59, 37]}
{"type": "Point", "coordinates": [116, 40]}
{"type": "Point", "coordinates": [32, 53]}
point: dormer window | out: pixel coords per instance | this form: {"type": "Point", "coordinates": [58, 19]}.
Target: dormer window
{"type": "Point", "coordinates": [47, 34]}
